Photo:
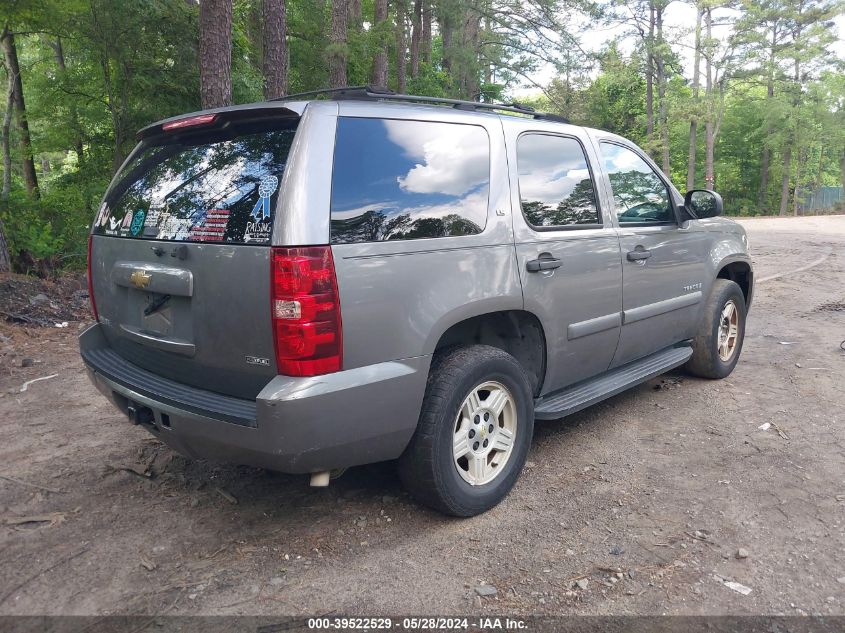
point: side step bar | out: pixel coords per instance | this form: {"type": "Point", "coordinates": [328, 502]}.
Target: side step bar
{"type": "Point", "coordinates": [584, 394]}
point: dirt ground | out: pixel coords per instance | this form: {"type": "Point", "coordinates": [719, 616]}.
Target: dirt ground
{"type": "Point", "coordinates": [674, 485]}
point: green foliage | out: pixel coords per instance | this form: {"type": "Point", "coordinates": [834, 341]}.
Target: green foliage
{"type": "Point", "coordinates": [96, 71]}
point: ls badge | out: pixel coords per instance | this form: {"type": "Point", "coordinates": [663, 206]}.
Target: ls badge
{"type": "Point", "coordinates": [140, 279]}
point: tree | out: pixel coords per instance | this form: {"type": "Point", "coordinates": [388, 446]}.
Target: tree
{"type": "Point", "coordinates": [6, 137]}
{"type": "Point", "coordinates": [811, 35]}
{"type": "Point", "coordinates": [696, 82]}
{"type": "Point", "coordinates": [379, 74]}
{"type": "Point", "coordinates": [216, 53]}
{"type": "Point", "coordinates": [337, 51]}
{"type": "Point", "coordinates": [645, 17]}
{"type": "Point", "coordinates": [10, 53]}
{"type": "Point", "coordinates": [416, 38]}
{"type": "Point", "coordinates": [401, 45]}
{"type": "Point", "coordinates": [275, 49]}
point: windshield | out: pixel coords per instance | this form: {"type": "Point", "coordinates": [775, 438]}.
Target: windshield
{"type": "Point", "coordinates": [208, 189]}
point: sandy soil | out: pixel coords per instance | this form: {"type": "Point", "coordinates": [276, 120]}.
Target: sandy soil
{"type": "Point", "coordinates": [663, 484]}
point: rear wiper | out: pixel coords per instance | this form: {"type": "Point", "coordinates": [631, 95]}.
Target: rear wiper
{"type": "Point", "coordinates": [156, 304]}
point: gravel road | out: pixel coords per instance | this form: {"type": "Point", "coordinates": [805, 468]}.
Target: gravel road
{"type": "Point", "coordinates": [648, 503]}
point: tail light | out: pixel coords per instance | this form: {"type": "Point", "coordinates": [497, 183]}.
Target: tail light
{"type": "Point", "coordinates": [91, 283]}
{"type": "Point", "coordinates": [306, 311]}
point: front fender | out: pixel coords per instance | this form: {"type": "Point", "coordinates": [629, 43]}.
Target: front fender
{"type": "Point", "coordinates": [733, 258]}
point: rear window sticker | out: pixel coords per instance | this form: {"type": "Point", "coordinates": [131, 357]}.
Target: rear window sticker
{"type": "Point", "coordinates": [153, 217]}
{"type": "Point", "coordinates": [266, 188]}
{"type": "Point", "coordinates": [212, 228]}
{"type": "Point", "coordinates": [137, 222]}
{"type": "Point", "coordinates": [103, 215]}
{"type": "Point", "coordinates": [172, 227]}
{"type": "Point", "coordinates": [257, 232]}
{"type": "Point", "coordinates": [127, 220]}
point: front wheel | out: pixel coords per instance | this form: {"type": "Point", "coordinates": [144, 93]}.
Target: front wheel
{"type": "Point", "coordinates": [474, 432]}
{"type": "Point", "coordinates": [717, 346]}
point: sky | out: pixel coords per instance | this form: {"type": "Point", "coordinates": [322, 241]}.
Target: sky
{"type": "Point", "coordinates": [679, 23]}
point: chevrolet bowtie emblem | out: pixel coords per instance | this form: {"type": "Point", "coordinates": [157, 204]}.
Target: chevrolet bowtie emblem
{"type": "Point", "coordinates": [140, 279]}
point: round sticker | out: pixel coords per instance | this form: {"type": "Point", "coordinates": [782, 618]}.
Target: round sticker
{"type": "Point", "coordinates": [137, 222]}
{"type": "Point", "coordinates": [267, 186]}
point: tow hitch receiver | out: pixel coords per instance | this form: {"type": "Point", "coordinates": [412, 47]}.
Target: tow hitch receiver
{"type": "Point", "coordinates": [140, 415]}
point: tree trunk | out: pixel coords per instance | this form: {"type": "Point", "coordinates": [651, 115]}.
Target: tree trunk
{"type": "Point", "coordinates": [464, 53]}
{"type": "Point", "coordinates": [78, 145]}
{"type": "Point", "coordinates": [356, 18]}
{"type": "Point", "coordinates": [337, 53]}
{"type": "Point", "coordinates": [710, 139]}
{"type": "Point", "coordinates": [5, 264]}
{"type": "Point", "coordinates": [275, 49]}
{"type": "Point", "coordinates": [649, 78]}
{"type": "Point", "coordinates": [784, 188]}
{"type": "Point", "coordinates": [6, 138]}
{"type": "Point", "coordinates": [425, 38]}
{"type": "Point", "coordinates": [416, 37]}
{"type": "Point", "coordinates": [401, 46]}
{"type": "Point", "coordinates": [663, 108]}
{"type": "Point", "coordinates": [444, 23]}
{"type": "Point", "coordinates": [792, 136]}
{"type": "Point", "coordinates": [765, 159]}
{"type": "Point", "coordinates": [693, 124]}
{"type": "Point", "coordinates": [488, 66]}
{"type": "Point", "coordinates": [216, 53]}
{"type": "Point", "coordinates": [10, 52]}
{"type": "Point", "coordinates": [5, 260]}
{"type": "Point", "coordinates": [379, 74]}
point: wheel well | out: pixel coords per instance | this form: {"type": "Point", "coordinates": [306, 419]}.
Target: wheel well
{"type": "Point", "coordinates": [740, 273]}
{"type": "Point", "coordinates": [517, 332]}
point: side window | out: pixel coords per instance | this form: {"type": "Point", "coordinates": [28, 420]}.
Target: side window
{"type": "Point", "coordinates": [638, 191]}
{"type": "Point", "coordinates": [555, 186]}
{"type": "Point", "coordinates": [400, 180]}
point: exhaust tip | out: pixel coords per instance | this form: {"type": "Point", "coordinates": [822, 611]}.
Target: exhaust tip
{"type": "Point", "coordinates": [321, 479]}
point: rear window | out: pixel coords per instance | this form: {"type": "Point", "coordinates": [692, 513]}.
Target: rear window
{"type": "Point", "coordinates": [213, 188]}
{"type": "Point", "coordinates": [400, 180]}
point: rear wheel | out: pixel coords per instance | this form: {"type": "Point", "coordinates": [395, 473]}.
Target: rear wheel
{"type": "Point", "coordinates": [474, 432]}
{"type": "Point", "coordinates": [717, 345]}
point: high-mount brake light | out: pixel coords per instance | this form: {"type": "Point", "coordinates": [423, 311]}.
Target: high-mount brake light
{"type": "Point", "coordinates": [192, 121]}
{"type": "Point", "coordinates": [305, 308]}
{"type": "Point", "coordinates": [91, 282]}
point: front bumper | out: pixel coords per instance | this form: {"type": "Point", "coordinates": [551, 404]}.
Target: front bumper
{"type": "Point", "coordinates": [296, 425]}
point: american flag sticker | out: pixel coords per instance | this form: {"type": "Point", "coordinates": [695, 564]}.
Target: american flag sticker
{"type": "Point", "coordinates": [212, 228]}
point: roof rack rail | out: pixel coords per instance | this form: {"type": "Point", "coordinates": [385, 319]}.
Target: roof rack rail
{"type": "Point", "coordinates": [378, 93]}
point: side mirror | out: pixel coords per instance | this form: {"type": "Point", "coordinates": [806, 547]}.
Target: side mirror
{"type": "Point", "coordinates": [701, 203]}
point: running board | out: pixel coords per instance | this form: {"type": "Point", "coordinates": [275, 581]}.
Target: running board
{"type": "Point", "coordinates": [584, 394]}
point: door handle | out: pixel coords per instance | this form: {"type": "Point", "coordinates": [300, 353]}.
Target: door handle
{"type": "Point", "coordinates": [635, 256]}
{"type": "Point", "coordinates": [543, 263]}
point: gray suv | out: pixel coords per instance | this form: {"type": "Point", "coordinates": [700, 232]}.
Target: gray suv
{"type": "Point", "coordinates": [307, 285]}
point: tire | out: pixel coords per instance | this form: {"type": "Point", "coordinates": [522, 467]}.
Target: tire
{"type": "Point", "coordinates": [429, 469]}
{"type": "Point", "coordinates": [706, 360]}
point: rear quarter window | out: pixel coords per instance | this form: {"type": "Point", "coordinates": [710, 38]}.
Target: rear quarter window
{"type": "Point", "coordinates": [209, 189]}
{"type": "Point", "coordinates": [398, 180]}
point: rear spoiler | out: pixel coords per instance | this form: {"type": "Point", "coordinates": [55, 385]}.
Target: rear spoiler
{"type": "Point", "coordinates": [220, 118]}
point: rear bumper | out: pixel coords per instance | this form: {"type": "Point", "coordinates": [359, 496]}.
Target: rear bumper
{"type": "Point", "coordinates": [296, 425]}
